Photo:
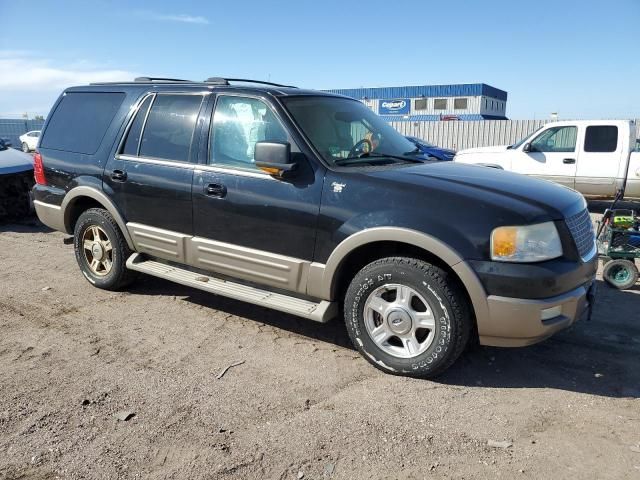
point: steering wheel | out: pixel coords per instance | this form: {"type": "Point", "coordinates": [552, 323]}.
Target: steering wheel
{"type": "Point", "coordinates": [357, 146]}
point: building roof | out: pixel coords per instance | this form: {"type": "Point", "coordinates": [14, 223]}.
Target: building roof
{"type": "Point", "coordinates": [443, 117]}
{"type": "Point", "coordinates": [461, 90]}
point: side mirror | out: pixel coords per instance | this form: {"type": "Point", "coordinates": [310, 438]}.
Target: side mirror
{"type": "Point", "coordinates": [526, 148]}
{"type": "Point", "coordinates": [274, 158]}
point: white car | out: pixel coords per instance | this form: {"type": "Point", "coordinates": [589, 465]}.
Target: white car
{"type": "Point", "coordinates": [29, 140]}
{"type": "Point", "coordinates": [595, 157]}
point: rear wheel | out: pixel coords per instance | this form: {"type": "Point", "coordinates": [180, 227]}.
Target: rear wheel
{"type": "Point", "coordinates": [101, 250]}
{"type": "Point", "coordinates": [621, 274]}
{"type": "Point", "coordinates": [407, 317]}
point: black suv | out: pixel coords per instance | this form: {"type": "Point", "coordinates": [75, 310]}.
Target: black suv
{"type": "Point", "coordinates": [309, 203]}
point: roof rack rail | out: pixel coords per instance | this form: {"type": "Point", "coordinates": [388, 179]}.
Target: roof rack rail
{"type": "Point", "coordinates": [225, 81]}
{"type": "Point", "coordinates": [159, 79]}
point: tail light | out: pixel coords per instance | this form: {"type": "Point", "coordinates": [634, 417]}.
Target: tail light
{"type": "Point", "coordinates": [38, 170]}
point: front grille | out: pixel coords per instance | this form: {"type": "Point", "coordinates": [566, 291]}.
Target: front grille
{"type": "Point", "coordinates": [581, 229]}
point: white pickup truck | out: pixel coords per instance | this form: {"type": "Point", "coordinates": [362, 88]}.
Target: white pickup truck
{"type": "Point", "coordinates": [594, 157]}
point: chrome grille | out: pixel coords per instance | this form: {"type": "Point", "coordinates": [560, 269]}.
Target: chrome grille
{"type": "Point", "coordinates": [581, 228]}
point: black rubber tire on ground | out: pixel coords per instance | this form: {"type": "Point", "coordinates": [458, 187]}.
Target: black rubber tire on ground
{"type": "Point", "coordinates": [620, 273]}
{"type": "Point", "coordinates": [25, 147]}
{"type": "Point", "coordinates": [454, 321]}
{"type": "Point", "coordinates": [119, 276]}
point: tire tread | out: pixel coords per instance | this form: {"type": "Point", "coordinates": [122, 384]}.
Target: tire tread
{"type": "Point", "coordinates": [455, 296]}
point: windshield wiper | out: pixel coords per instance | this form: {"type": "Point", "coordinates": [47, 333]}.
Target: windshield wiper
{"type": "Point", "coordinates": [367, 156]}
{"type": "Point", "coordinates": [413, 152]}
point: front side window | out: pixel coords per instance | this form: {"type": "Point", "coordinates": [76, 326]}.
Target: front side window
{"type": "Point", "coordinates": [601, 138]}
{"type": "Point", "coordinates": [556, 139]}
{"type": "Point", "coordinates": [346, 133]}
{"type": "Point", "coordinates": [238, 124]}
{"type": "Point", "coordinates": [170, 126]}
{"type": "Point", "coordinates": [440, 104]}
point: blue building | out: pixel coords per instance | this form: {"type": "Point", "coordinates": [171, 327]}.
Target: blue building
{"type": "Point", "coordinates": [471, 101]}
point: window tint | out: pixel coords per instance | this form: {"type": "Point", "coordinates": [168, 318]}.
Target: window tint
{"type": "Point", "coordinates": [556, 139]}
{"type": "Point", "coordinates": [80, 121]}
{"type": "Point", "coordinates": [460, 104]}
{"type": "Point", "coordinates": [440, 104]}
{"type": "Point", "coordinates": [170, 126]}
{"type": "Point", "coordinates": [421, 104]}
{"type": "Point", "coordinates": [238, 123]}
{"type": "Point", "coordinates": [133, 137]}
{"type": "Point", "coordinates": [601, 139]}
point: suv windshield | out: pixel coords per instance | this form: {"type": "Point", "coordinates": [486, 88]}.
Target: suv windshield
{"type": "Point", "coordinates": [347, 133]}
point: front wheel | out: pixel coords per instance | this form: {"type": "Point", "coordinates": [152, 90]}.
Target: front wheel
{"type": "Point", "coordinates": [621, 274]}
{"type": "Point", "coordinates": [407, 317]}
{"type": "Point", "coordinates": [25, 147]}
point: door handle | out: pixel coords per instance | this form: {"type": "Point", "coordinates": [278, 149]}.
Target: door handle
{"type": "Point", "coordinates": [118, 176]}
{"type": "Point", "coordinates": [569, 161]}
{"type": "Point", "coordinates": [215, 190]}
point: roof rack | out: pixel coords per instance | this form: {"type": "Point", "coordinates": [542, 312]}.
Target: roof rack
{"type": "Point", "coordinates": [225, 81]}
{"type": "Point", "coordinates": [159, 79]}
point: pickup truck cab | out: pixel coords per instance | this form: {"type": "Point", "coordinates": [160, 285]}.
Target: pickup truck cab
{"type": "Point", "coordinates": [310, 204]}
{"type": "Point", "coordinates": [594, 157]}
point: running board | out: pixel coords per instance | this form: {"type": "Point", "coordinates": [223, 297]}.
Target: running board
{"type": "Point", "coordinates": [319, 312]}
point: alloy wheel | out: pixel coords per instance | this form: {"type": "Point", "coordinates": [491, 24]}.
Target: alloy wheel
{"type": "Point", "coordinates": [399, 320]}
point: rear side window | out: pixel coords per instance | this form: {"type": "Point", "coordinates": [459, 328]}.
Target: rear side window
{"type": "Point", "coordinates": [133, 138]}
{"type": "Point", "coordinates": [170, 125]}
{"type": "Point", "coordinates": [601, 138]}
{"type": "Point", "coordinates": [80, 121]}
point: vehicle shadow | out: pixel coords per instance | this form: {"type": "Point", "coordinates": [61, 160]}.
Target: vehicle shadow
{"type": "Point", "coordinates": [29, 224]}
{"type": "Point", "coordinates": [333, 332]}
{"type": "Point", "coordinates": [598, 357]}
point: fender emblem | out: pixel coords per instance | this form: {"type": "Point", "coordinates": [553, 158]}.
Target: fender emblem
{"type": "Point", "coordinates": [337, 187]}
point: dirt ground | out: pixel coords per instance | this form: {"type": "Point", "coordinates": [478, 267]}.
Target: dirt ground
{"type": "Point", "coordinates": [302, 405]}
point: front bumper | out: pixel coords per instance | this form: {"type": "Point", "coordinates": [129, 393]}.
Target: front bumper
{"type": "Point", "coordinates": [517, 322]}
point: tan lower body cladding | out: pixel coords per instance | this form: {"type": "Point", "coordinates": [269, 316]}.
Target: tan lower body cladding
{"type": "Point", "coordinates": [257, 266]}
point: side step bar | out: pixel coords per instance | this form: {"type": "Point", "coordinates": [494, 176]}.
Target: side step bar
{"type": "Point", "coordinates": [319, 312]}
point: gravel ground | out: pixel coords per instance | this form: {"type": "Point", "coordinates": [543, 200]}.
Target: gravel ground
{"type": "Point", "coordinates": [302, 405]}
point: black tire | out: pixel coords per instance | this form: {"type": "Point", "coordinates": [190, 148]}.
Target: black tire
{"type": "Point", "coordinates": [25, 147]}
{"type": "Point", "coordinates": [448, 304]}
{"type": "Point", "coordinates": [621, 274]}
{"type": "Point", "coordinates": [118, 275]}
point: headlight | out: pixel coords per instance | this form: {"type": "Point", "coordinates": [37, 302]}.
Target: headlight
{"type": "Point", "coordinates": [531, 243]}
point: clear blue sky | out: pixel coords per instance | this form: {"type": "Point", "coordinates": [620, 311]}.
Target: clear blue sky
{"type": "Point", "coordinates": [579, 58]}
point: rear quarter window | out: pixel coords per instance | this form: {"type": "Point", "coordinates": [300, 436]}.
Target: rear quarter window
{"type": "Point", "coordinates": [80, 121]}
{"type": "Point", "coordinates": [601, 139]}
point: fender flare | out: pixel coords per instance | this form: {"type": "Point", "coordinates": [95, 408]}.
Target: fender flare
{"type": "Point", "coordinates": [83, 191]}
{"type": "Point", "coordinates": [322, 278]}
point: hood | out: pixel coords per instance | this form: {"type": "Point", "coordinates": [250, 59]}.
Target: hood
{"type": "Point", "coordinates": [14, 161]}
{"type": "Point", "coordinates": [494, 149]}
{"type": "Point", "coordinates": [472, 187]}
